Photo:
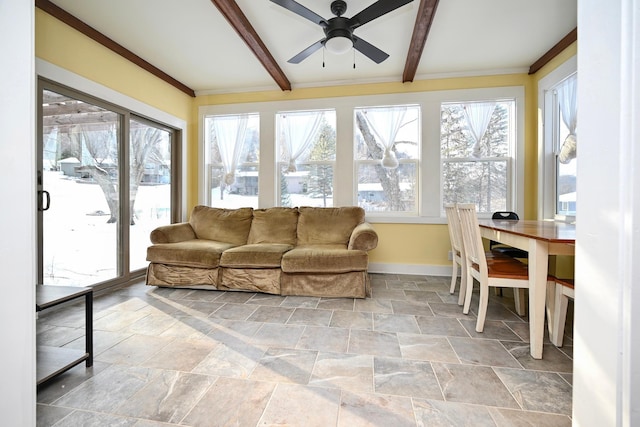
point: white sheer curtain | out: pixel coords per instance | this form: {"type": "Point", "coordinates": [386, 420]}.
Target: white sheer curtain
{"type": "Point", "coordinates": [385, 122]}
{"type": "Point", "coordinates": [478, 115]}
{"type": "Point", "coordinates": [567, 100]}
{"type": "Point", "coordinates": [299, 130]}
{"type": "Point", "coordinates": [229, 133]}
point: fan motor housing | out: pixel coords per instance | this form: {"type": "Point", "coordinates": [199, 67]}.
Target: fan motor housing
{"type": "Point", "coordinates": [338, 7]}
{"type": "Point", "coordinates": [338, 27]}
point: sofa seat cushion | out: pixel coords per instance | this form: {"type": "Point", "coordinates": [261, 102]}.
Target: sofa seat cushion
{"type": "Point", "coordinates": [274, 225]}
{"type": "Point", "coordinates": [221, 225]}
{"type": "Point", "coordinates": [192, 253]}
{"type": "Point", "coordinates": [324, 259]}
{"type": "Point", "coordinates": [259, 255]}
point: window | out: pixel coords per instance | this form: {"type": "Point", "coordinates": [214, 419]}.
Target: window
{"type": "Point", "coordinates": [564, 142]}
{"type": "Point", "coordinates": [558, 161]}
{"type": "Point", "coordinates": [383, 153]}
{"type": "Point", "coordinates": [387, 154]}
{"type": "Point", "coordinates": [305, 155]}
{"type": "Point", "coordinates": [232, 158]}
{"type": "Point", "coordinates": [477, 142]}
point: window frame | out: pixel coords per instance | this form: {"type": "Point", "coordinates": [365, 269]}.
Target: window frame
{"type": "Point", "coordinates": [52, 77]}
{"type": "Point", "coordinates": [307, 162]}
{"type": "Point", "coordinates": [548, 141]}
{"type": "Point", "coordinates": [510, 159]}
{"type": "Point", "coordinates": [209, 164]}
{"type": "Point", "coordinates": [414, 161]}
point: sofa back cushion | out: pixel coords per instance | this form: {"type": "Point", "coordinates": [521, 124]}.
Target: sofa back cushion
{"type": "Point", "coordinates": [274, 225]}
{"type": "Point", "coordinates": [222, 225]}
{"type": "Point", "coordinates": [328, 225]}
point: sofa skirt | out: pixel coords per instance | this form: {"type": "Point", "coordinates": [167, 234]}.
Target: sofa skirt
{"type": "Point", "coordinates": [175, 276]}
{"type": "Point", "coordinates": [353, 284]}
{"type": "Point", "coordinates": [266, 280]}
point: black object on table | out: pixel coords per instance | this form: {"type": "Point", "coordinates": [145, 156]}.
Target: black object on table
{"type": "Point", "coordinates": [52, 361]}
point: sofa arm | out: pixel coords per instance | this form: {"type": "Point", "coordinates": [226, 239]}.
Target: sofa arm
{"type": "Point", "coordinates": [363, 237]}
{"type": "Point", "coordinates": [172, 233]}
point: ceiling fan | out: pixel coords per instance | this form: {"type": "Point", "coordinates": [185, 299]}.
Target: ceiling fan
{"type": "Point", "coordinates": [339, 37]}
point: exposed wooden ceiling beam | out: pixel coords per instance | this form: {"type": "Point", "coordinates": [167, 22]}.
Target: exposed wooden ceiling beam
{"type": "Point", "coordinates": [554, 51]}
{"type": "Point", "coordinates": [96, 35]}
{"type": "Point", "coordinates": [231, 11]}
{"type": "Point", "coordinates": [426, 13]}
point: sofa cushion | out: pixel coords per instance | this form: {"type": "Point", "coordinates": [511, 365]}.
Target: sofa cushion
{"type": "Point", "coordinates": [328, 225]}
{"type": "Point", "coordinates": [324, 259]}
{"type": "Point", "coordinates": [259, 255]}
{"type": "Point", "coordinates": [222, 225]}
{"type": "Point", "coordinates": [192, 253]}
{"type": "Point", "coordinates": [274, 225]}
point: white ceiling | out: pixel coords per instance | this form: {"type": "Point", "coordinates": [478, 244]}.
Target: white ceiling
{"type": "Point", "coordinates": [191, 41]}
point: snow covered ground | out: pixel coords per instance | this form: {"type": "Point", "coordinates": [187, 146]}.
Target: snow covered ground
{"type": "Point", "coordinates": [79, 246]}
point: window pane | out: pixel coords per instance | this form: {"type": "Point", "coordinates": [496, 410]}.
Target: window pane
{"type": "Point", "coordinates": [387, 190]}
{"type": "Point", "coordinates": [482, 183]}
{"type": "Point", "coordinates": [232, 149]}
{"type": "Point", "coordinates": [150, 185]}
{"type": "Point", "coordinates": [475, 143]}
{"type": "Point", "coordinates": [387, 152]}
{"type": "Point", "coordinates": [306, 147]}
{"type": "Point", "coordinates": [309, 185]}
{"type": "Point", "coordinates": [80, 155]}
{"type": "Point", "coordinates": [397, 127]}
{"type": "Point", "coordinates": [565, 174]}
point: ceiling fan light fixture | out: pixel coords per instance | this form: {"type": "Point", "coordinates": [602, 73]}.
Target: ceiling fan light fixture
{"type": "Point", "coordinates": [339, 45]}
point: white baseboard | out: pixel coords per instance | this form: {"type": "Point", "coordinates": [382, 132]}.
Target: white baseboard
{"type": "Point", "coordinates": [421, 269]}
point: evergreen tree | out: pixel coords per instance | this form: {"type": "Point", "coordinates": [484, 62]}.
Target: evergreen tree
{"type": "Point", "coordinates": [285, 197]}
{"type": "Point", "coordinates": [320, 181]}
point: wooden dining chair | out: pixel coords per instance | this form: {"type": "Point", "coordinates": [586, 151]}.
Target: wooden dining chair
{"type": "Point", "coordinates": [504, 272]}
{"type": "Point", "coordinates": [557, 313]}
{"type": "Point", "coordinates": [457, 251]}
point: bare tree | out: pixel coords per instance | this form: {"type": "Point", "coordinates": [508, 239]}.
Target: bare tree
{"type": "Point", "coordinates": [144, 149]}
{"type": "Point", "coordinates": [389, 178]}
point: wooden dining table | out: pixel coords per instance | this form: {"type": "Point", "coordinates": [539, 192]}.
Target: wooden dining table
{"type": "Point", "coordinates": [540, 239]}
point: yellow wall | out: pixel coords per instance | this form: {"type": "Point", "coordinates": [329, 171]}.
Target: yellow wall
{"type": "Point", "coordinates": [65, 47]}
{"type": "Point", "coordinates": [420, 244]}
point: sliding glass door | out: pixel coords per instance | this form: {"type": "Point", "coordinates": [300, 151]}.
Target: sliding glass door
{"type": "Point", "coordinates": [104, 182]}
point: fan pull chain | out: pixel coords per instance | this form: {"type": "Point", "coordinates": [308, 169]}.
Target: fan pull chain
{"type": "Point", "coordinates": [323, 57]}
{"type": "Point", "coordinates": [354, 59]}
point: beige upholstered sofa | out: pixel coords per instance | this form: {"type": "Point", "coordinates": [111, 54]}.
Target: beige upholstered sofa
{"type": "Point", "coordinates": [285, 251]}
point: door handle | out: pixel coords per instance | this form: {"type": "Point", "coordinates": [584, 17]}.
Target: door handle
{"type": "Point", "coordinates": [43, 196]}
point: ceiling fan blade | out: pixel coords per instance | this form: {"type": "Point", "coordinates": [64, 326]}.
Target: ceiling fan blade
{"type": "Point", "coordinates": [299, 9]}
{"type": "Point", "coordinates": [305, 53]}
{"type": "Point", "coordinates": [369, 50]}
{"type": "Point", "coordinates": [376, 10]}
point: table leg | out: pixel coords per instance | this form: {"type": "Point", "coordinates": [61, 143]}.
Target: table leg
{"type": "Point", "coordinates": [88, 333]}
{"type": "Point", "coordinates": [538, 268]}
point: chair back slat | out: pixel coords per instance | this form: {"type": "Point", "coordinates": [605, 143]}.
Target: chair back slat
{"type": "Point", "coordinates": [471, 237]}
{"type": "Point", "coordinates": [455, 230]}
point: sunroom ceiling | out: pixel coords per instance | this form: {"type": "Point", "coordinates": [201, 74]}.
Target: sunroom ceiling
{"type": "Point", "coordinates": [191, 40]}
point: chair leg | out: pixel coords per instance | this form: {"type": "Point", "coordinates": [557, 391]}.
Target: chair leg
{"type": "Point", "coordinates": [520, 300]}
{"type": "Point", "coordinates": [559, 317]}
{"type": "Point", "coordinates": [454, 277]}
{"type": "Point", "coordinates": [463, 283]}
{"type": "Point", "coordinates": [482, 306]}
{"type": "Point", "coordinates": [550, 305]}
{"type": "Point", "coordinates": [468, 293]}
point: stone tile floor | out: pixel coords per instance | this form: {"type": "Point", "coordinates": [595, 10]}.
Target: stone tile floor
{"type": "Point", "coordinates": [405, 357]}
